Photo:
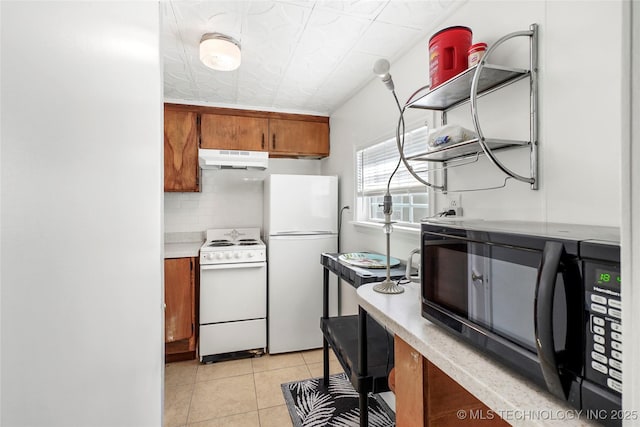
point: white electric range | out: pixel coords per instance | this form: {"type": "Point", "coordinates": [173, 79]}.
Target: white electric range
{"type": "Point", "coordinates": [233, 294]}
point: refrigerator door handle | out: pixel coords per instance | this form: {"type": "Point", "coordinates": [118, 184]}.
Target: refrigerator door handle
{"type": "Point", "coordinates": [309, 237]}
{"type": "Point", "coordinates": [302, 233]}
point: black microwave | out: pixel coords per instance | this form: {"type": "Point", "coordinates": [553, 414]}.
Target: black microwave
{"type": "Point", "coordinates": [542, 298]}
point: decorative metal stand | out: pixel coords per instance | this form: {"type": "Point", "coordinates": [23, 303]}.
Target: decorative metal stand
{"type": "Point", "coordinates": [388, 286]}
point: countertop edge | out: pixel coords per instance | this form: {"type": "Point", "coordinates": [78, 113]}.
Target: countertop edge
{"type": "Point", "coordinates": [182, 250]}
{"type": "Point", "coordinates": [501, 389]}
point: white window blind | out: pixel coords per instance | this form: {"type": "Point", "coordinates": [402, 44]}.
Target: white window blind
{"type": "Point", "coordinates": [374, 166]}
{"type": "Point", "coordinates": [376, 163]}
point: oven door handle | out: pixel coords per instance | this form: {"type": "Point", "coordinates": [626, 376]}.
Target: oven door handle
{"type": "Point", "coordinates": [543, 311]}
{"type": "Point", "coordinates": [228, 266]}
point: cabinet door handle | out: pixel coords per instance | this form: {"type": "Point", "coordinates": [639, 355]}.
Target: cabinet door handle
{"type": "Point", "coordinates": [199, 130]}
{"type": "Point", "coordinates": [263, 140]}
{"type": "Point", "coordinates": [475, 277]}
{"type": "Point", "coordinates": [273, 144]}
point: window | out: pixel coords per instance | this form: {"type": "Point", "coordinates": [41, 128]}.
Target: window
{"type": "Point", "coordinates": [374, 166]}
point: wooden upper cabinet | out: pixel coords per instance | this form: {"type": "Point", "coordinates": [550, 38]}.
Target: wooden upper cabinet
{"type": "Point", "coordinates": [298, 138]}
{"type": "Point", "coordinates": [179, 299]}
{"type": "Point", "coordinates": [234, 132]}
{"type": "Point", "coordinates": [180, 150]}
{"type": "Point", "coordinates": [188, 127]}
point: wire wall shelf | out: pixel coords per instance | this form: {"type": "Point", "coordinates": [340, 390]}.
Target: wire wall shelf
{"type": "Point", "coordinates": [468, 86]}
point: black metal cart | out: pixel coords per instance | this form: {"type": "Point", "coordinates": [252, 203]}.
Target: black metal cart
{"type": "Point", "coordinates": [361, 345]}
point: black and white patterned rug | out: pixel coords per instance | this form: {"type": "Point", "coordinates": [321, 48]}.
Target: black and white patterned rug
{"type": "Point", "coordinates": [311, 405]}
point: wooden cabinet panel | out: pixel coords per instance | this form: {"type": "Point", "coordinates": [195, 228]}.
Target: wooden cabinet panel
{"type": "Point", "coordinates": [427, 397]}
{"type": "Point", "coordinates": [409, 385]}
{"type": "Point", "coordinates": [180, 150]}
{"type": "Point", "coordinates": [296, 137]}
{"type": "Point", "coordinates": [445, 397]}
{"type": "Point", "coordinates": [234, 132]}
{"type": "Point", "coordinates": [179, 299]}
{"type": "Point", "coordinates": [181, 314]}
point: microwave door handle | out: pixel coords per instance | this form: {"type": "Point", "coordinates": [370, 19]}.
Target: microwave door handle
{"type": "Point", "coordinates": [543, 311]}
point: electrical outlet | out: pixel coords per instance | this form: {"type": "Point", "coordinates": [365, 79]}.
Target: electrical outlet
{"type": "Point", "coordinates": [455, 203]}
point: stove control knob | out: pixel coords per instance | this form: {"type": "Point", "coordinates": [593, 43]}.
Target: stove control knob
{"type": "Point", "coordinates": [250, 254]}
{"type": "Point", "coordinates": [237, 254]}
{"type": "Point", "coordinates": [228, 255]}
{"type": "Point", "coordinates": [208, 256]}
{"type": "Point", "coordinates": [219, 256]}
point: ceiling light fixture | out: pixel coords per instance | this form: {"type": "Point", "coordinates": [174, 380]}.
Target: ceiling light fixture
{"type": "Point", "coordinates": [220, 52]}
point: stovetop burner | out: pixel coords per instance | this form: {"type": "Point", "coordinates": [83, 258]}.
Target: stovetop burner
{"type": "Point", "coordinates": [240, 242]}
{"type": "Point", "coordinates": [218, 243]}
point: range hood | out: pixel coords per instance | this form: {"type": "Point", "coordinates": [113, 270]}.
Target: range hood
{"type": "Point", "coordinates": [232, 159]}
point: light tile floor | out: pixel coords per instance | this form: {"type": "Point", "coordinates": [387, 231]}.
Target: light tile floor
{"type": "Point", "coordinates": [237, 393]}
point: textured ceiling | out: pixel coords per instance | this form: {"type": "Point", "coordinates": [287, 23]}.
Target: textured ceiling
{"type": "Point", "coordinates": [297, 56]}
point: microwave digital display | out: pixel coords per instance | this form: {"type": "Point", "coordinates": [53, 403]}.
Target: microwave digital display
{"type": "Point", "coordinates": [608, 277]}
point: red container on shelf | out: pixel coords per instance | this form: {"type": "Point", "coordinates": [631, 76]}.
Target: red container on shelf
{"type": "Point", "coordinates": [448, 53]}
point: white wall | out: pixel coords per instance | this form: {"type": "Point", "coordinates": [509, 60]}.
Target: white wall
{"type": "Point", "coordinates": [81, 178]}
{"type": "Point", "coordinates": [1, 219]}
{"type": "Point", "coordinates": [227, 198]}
{"type": "Point", "coordinates": [580, 118]}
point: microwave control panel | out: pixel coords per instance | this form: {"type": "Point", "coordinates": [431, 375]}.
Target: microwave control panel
{"type": "Point", "coordinates": [603, 349]}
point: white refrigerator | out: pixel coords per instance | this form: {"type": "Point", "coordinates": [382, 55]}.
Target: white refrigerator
{"type": "Point", "coordinates": [301, 222]}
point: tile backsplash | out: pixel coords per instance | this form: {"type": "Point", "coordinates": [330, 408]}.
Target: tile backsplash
{"type": "Point", "coordinates": [228, 198]}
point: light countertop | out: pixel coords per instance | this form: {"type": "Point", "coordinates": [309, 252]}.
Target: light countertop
{"type": "Point", "coordinates": [516, 399]}
{"type": "Point", "coordinates": [182, 245]}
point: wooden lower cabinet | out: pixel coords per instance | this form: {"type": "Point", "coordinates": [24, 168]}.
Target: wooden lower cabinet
{"type": "Point", "coordinates": [410, 410]}
{"type": "Point", "coordinates": [180, 313]}
{"type": "Point", "coordinates": [427, 397]}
